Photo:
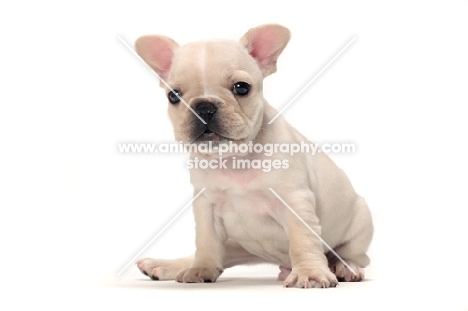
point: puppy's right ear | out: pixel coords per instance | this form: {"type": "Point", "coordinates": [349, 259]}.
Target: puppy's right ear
{"type": "Point", "coordinates": [157, 52]}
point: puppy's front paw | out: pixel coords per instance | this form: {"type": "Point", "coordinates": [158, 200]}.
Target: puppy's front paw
{"type": "Point", "coordinates": [304, 277]}
{"type": "Point", "coordinates": [343, 273]}
{"type": "Point", "coordinates": [198, 275]}
{"type": "Point", "coordinates": [161, 269]}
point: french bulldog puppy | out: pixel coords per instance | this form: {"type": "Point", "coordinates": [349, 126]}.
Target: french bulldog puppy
{"type": "Point", "coordinates": [214, 89]}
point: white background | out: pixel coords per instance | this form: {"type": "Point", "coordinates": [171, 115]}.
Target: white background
{"type": "Point", "coordinates": [74, 211]}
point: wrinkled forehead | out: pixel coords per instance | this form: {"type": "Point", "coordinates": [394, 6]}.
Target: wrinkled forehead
{"type": "Point", "coordinates": [214, 56]}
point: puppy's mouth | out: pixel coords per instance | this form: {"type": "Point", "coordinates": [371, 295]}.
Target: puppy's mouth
{"type": "Point", "coordinates": [209, 135]}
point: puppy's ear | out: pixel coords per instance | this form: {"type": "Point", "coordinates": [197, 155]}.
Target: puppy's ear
{"type": "Point", "coordinates": [157, 52]}
{"type": "Point", "coordinates": [265, 43]}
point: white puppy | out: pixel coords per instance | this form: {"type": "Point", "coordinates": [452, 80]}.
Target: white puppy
{"type": "Point", "coordinates": [239, 220]}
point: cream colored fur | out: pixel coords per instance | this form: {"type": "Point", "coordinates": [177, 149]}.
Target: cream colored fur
{"type": "Point", "coordinates": [238, 219]}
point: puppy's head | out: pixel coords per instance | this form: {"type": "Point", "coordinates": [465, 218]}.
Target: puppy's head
{"type": "Point", "coordinates": [214, 88]}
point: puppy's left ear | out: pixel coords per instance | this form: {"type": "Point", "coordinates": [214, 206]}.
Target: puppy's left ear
{"type": "Point", "coordinates": [265, 43]}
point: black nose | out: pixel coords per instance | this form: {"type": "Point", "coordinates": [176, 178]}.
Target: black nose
{"type": "Point", "coordinates": [206, 110]}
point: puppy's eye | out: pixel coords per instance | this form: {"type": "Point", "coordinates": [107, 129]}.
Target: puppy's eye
{"type": "Point", "coordinates": [241, 88]}
{"type": "Point", "coordinates": [174, 96]}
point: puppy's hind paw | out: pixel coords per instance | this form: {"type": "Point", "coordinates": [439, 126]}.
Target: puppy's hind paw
{"type": "Point", "coordinates": [343, 273]}
{"type": "Point", "coordinates": [284, 273]}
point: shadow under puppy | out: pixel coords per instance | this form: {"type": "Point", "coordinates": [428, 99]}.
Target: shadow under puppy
{"type": "Point", "coordinates": [238, 219]}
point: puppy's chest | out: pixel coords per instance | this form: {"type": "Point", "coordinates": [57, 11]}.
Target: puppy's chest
{"type": "Point", "coordinates": [245, 207]}
{"type": "Point", "coordinates": [253, 219]}
{"type": "Point", "coordinates": [246, 211]}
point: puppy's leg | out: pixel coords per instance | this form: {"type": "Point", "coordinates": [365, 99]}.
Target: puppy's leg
{"type": "Point", "coordinates": [207, 263]}
{"type": "Point", "coordinates": [353, 251]}
{"type": "Point", "coordinates": [167, 269]}
{"type": "Point", "coordinates": [308, 261]}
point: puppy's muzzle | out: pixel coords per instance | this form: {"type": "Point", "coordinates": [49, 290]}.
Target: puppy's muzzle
{"type": "Point", "coordinates": [206, 110]}
{"type": "Point", "coordinates": [212, 130]}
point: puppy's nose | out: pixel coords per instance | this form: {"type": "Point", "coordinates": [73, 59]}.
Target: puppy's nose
{"type": "Point", "coordinates": [206, 110]}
